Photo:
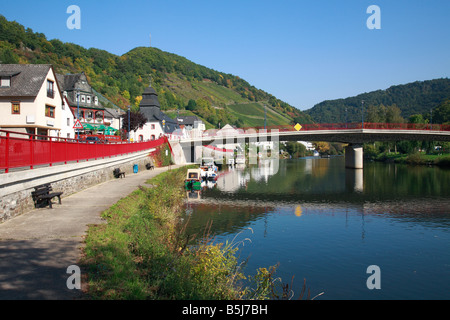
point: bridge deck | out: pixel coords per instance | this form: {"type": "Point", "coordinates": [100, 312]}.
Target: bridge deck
{"type": "Point", "coordinates": [333, 135]}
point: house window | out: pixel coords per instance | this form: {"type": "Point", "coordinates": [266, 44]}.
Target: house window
{"type": "Point", "coordinates": [5, 82]}
{"type": "Point", "coordinates": [153, 127]}
{"type": "Point", "coordinates": [50, 91]}
{"type": "Point", "coordinates": [68, 121]}
{"type": "Point", "coordinates": [49, 111]}
{"type": "Point", "coordinates": [141, 137]}
{"type": "Point", "coordinates": [153, 137]}
{"type": "Point", "coordinates": [15, 107]}
{"type": "Point", "coordinates": [88, 99]}
{"type": "Point", "coordinates": [96, 100]}
{"type": "Point", "coordinates": [83, 98]}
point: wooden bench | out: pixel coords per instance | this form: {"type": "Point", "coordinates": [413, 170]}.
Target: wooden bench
{"type": "Point", "coordinates": [117, 173]}
{"type": "Point", "coordinates": [43, 195]}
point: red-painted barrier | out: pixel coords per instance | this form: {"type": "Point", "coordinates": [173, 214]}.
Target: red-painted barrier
{"type": "Point", "coordinates": [27, 150]}
{"type": "Point", "coordinates": [359, 125]}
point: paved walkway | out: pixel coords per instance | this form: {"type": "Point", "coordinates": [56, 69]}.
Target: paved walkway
{"type": "Point", "coordinates": [37, 247]}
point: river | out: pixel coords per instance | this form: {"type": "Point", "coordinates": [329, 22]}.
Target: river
{"type": "Point", "coordinates": [327, 224]}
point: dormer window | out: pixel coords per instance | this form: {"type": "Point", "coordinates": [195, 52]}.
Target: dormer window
{"type": "Point", "coordinates": [83, 98]}
{"type": "Point", "coordinates": [5, 82]}
{"type": "Point", "coordinates": [50, 91]}
{"type": "Point", "coordinates": [88, 99]}
{"type": "Point", "coordinates": [96, 100]}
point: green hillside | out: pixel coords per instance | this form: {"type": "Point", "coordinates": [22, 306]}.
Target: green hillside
{"type": "Point", "coordinates": [413, 98]}
{"type": "Point", "coordinates": [122, 79]}
{"type": "Point", "coordinates": [253, 115]}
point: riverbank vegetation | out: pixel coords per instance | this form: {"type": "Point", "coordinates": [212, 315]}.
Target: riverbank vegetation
{"type": "Point", "coordinates": [409, 152]}
{"type": "Point", "coordinates": [142, 253]}
{"type": "Point", "coordinates": [417, 157]}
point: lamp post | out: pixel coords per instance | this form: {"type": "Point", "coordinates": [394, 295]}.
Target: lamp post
{"type": "Point", "coordinates": [129, 123]}
{"type": "Point", "coordinates": [431, 119]}
{"type": "Point", "coordinates": [346, 117]}
{"type": "Point", "coordinates": [265, 116]}
{"type": "Point", "coordinates": [78, 112]}
{"type": "Point", "coordinates": [362, 113]}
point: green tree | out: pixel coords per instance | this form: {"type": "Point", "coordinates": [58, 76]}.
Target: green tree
{"type": "Point", "coordinates": [295, 149]}
{"type": "Point", "coordinates": [192, 105]}
{"type": "Point", "coordinates": [416, 118]}
{"type": "Point", "coordinates": [442, 113]}
{"type": "Point", "coordinates": [393, 114]}
{"type": "Point", "coordinates": [376, 114]}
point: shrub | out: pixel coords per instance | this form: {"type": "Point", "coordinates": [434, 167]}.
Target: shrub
{"type": "Point", "coordinates": [415, 158]}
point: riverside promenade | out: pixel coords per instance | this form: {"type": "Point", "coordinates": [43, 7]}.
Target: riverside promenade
{"type": "Point", "coordinates": [37, 247]}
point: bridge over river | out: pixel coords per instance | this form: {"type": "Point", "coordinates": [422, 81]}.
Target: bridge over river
{"type": "Point", "coordinates": [355, 134]}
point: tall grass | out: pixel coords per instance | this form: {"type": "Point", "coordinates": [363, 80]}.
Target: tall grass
{"type": "Point", "coordinates": [142, 253]}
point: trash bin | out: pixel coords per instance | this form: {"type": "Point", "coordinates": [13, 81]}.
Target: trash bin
{"type": "Point", "coordinates": [135, 168]}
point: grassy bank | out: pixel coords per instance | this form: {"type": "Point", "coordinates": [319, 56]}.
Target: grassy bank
{"type": "Point", "coordinates": [417, 158]}
{"type": "Point", "coordinates": [141, 252]}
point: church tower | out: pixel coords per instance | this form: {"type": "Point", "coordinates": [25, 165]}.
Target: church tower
{"type": "Point", "coordinates": [151, 109]}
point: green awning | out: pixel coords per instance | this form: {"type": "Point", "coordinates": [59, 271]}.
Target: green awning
{"type": "Point", "coordinates": [110, 130]}
{"type": "Point", "coordinates": [88, 126]}
{"type": "Point", "coordinates": [100, 127]}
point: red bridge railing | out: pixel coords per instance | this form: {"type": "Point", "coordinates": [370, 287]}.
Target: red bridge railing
{"type": "Point", "coordinates": [27, 150]}
{"type": "Point", "coordinates": [320, 126]}
{"type": "Point", "coordinates": [359, 125]}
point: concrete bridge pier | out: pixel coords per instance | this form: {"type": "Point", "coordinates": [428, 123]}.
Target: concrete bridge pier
{"type": "Point", "coordinates": [192, 152]}
{"type": "Point", "coordinates": [354, 156]}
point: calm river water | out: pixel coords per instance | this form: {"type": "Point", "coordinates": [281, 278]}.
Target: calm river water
{"type": "Point", "coordinates": [327, 224]}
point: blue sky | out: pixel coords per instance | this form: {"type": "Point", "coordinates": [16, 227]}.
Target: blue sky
{"type": "Point", "coordinates": [303, 52]}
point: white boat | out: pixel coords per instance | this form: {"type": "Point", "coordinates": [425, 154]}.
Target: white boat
{"type": "Point", "coordinates": [209, 169]}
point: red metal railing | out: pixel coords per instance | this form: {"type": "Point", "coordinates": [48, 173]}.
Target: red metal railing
{"type": "Point", "coordinates": [109, 138]}
{"type": "Point", "coordinates": [359, 125]}
{"type": "Point", "coordinates": [27, 150]}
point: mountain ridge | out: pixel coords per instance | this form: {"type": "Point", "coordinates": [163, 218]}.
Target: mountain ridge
{"type": "Point", "coordinates": [122, 79]}
{"type": "Point", "coordinates": [418, 97]}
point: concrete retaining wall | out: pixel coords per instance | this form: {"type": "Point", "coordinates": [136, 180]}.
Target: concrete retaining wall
{"type": "Point", "coordinates": [16, 187]}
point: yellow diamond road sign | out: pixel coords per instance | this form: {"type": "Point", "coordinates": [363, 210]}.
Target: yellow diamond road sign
{"type": "Point", "coordinates": [297, 127]}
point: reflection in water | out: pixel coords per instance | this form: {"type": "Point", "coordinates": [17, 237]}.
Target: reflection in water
{"type": "Point", "coordinates": [327, 224]}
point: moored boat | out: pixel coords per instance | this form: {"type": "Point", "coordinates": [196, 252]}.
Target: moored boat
{"type": "Point", "coordinates": [193, 179]}
{"type": "Point", "coordinates": [209, 169]}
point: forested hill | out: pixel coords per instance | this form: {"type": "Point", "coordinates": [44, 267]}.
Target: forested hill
{"type": "Point", "coordinates": [413, 98]}
{"type": "Point", "coordinates": [122, 79]}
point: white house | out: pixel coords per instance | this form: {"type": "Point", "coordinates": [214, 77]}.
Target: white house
{"type": "Point", "coordinates": [158, 123]}
{"type": "Point", "coordinates": [191, 126]}
{"type": "Point", "coordinates": [31, 101]}
{"type": "Point", "coordinates": [67, 121]}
